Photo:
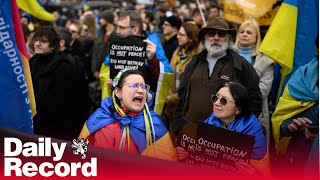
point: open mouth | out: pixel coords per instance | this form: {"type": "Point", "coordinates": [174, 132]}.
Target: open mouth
{"type": "Point", "coordinates": [137, 99]}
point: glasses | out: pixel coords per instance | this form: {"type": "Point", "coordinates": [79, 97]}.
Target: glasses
{"type": "Point", "coordinates": [220, 33]}
{"type": "Point", "coordinates": [123, 27]}
{"type": "Point", "coordinates": [41, 40]}
{"type": "Point", "coordinates": [223, 101]}
{"type": "Point", "coordinates": [134, 86]}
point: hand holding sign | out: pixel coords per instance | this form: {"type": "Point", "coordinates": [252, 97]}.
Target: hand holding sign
{"type": "Point", "coordinates": [109, 83]}
{"type": "Point", "coordinates": [151, 48]}
{"type": "Point", "coordinates": [181, 153]}
{"type": "Point", "coordinates": [245, 168]}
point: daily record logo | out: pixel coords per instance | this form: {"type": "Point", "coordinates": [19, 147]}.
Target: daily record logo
{"type": "Point", "coordinates": [13, 166]}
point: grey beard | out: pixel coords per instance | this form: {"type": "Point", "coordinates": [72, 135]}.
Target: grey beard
{"type": "Point", "coordinates": [216, 50]}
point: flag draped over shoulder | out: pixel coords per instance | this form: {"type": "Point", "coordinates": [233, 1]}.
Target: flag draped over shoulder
{"type": "Point", "coordinates": [164, 79]}
{"type": "Point", "coordinates": [17, 102]}
{"type": "Point", "coordinates": [301, 92]}
{"type": "Point", "coordinates": [35, 9]}
{"type": "Point", "coordinates": [291, 36]}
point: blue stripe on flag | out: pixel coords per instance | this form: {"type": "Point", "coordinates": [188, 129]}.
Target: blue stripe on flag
{"type": "Point", "coordinates": [14, 101]}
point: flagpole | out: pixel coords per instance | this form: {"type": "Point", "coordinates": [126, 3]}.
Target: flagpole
{"type": "Point", "coordinates": [201, 13]}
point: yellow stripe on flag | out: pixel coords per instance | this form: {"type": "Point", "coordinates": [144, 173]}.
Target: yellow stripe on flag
{"type": "Point", "coordinates": [104, 75]}
{"type": "Point", "coordinates": [161, 149]}
{"type": "Point", "coordinates": [35, 9]}
{"type": "Point", "coordinates": [26, 68]}
{"type": "Point", "coordinates": [279, 42]}
{"type": "Point", "coordinates": [287, 108]}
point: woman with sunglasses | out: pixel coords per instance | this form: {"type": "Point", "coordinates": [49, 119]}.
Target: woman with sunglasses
{"type": "Point", "coordinates": [231, 112]}
{"type": "Point", "coordinates": [125, 123]}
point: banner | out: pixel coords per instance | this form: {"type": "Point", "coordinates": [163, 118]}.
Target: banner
{"type": "Point", "coordinates": [239, 16]}
{"type": "Point", "coordinates": [16, 92]}
{"type": "Point", "coordinates": [148, 2]}
{"type": "Point", "coordinates": [244, 8]}
{"type": "Point", "coordinates": [127, 53]}
{"type": "Point", "coordinates": [215, 147]}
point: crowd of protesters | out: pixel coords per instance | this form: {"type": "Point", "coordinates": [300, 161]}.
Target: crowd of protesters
{"type": "Point", "coordinates": [219, 77]}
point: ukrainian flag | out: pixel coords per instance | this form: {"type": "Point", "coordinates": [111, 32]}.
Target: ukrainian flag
{"type": "Point", "coordinates": [291, 36]}
{"type": "Point", "coordinates": [35, 9]}
{"type": "Point", "coordinates": [301, 93]}
{"type": "Point", "coordinates": [17, 102]}
{"type": "Point", "coordinates": [164, 79]}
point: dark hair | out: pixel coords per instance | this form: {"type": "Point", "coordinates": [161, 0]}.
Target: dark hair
{"type": "Point", "coordinates": [50, 34]}
{"type": "Point", "coordinates": [192, 31]}
{"type": "Point", "coordinates": [135, 19]}
{"type": "Point", "coordinates": [214, 6]}
{"type": "Point", "coordinates": [26, 32]}
{"type": "Point", "coordinates": [122, 78]}
{"type": "Point", "coordinates": [195, 12]}
{"type": "Point", "coordinates": [149, 15]}
{"type": "Point", "coordinates": [64, 34]}
{"type": "Point", "coordinates": [241, 97]}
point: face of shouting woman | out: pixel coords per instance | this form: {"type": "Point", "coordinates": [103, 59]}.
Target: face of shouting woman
{"type": "Point", "coordinates": [133, 93]}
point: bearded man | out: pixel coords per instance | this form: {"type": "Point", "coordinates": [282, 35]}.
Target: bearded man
{"type": "Point", "coordinates": [207, 71]}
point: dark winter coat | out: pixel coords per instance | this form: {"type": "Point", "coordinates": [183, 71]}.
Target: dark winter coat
{"type": "Point", "coordinates": [59, 89]}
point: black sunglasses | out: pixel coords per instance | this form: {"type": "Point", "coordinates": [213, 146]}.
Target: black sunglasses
{"type": "Point", "coordinates": [213, 32]}
{"type": "Point", "coordinates": [223, 101]}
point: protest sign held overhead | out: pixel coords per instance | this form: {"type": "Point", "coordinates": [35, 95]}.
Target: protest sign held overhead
{"type": "Point", "coordinates": [127, 53]}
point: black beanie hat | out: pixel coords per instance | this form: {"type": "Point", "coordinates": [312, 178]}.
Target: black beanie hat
{"type": "Point", "coordinates": [107, 15]}
{"type": "Point", "coordinates": [174, 21]}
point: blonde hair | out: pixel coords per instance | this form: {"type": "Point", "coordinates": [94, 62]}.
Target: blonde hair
{"type": "Point", "coordinates": [255, 25]}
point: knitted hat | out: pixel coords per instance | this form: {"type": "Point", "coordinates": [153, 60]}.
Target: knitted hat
{"type": "Point", "coordinates": [174, 21]}
{"type": "Point", "coordinates": [107, 15]}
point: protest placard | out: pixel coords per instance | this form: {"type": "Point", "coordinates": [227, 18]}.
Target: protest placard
{"type": "Point", "coordinates": [222, 148]}
{"type": "Point", "coordinates": [187, 140]}
{"type": "Point", "coordinates": [127, 53]}
{"type": "Point", "coordinates": [211, 146]}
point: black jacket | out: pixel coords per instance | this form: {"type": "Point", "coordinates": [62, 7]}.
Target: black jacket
{"type": "Point", "coordinates": [170, 46]}
{"type": "Point", "coordinates": [243, 73]}
{"type": "Point", "coordinates": [59, 88]}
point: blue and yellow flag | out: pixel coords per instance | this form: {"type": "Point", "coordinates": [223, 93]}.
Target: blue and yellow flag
{"type": "Point", "coordinates": [301, 93]}
{"type": "Point", "coordinates": [291, 36]}
{"type": "Point", "coordinates": [35, 9]}
{"type": "Point", "coordinates": [17, 102]}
